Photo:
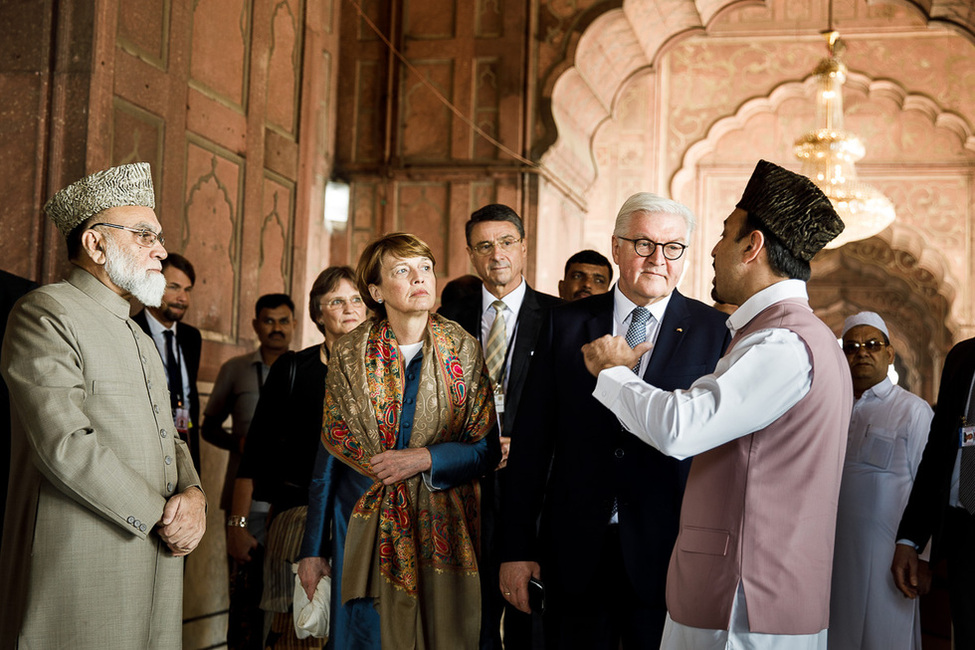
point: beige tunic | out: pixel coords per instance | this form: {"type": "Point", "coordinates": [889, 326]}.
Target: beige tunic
{"type": "Point", "coordinates": [94, 459]}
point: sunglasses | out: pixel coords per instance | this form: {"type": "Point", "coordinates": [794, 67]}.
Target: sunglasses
{"type": "Point", "coordinates": [873, 345]}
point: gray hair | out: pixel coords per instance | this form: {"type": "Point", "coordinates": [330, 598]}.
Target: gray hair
{"type": "Point", "coordinates": [651, 203]}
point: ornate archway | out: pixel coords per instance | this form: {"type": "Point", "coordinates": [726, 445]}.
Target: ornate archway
{"type": "Point", "coordinates": [870, 275]}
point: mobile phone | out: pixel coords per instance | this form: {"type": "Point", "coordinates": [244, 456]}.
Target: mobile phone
{"type": "Point", "coordinates": [536, 595]}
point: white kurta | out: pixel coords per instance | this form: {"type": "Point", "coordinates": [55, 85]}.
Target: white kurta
{"type": "Point", "coordinates": [888, 431]}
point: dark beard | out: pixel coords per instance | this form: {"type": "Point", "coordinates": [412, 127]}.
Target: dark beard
{"type": "Point", "coordinates": [172, 316]}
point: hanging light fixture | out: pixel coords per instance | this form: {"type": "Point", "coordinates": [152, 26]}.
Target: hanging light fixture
{"type": "Point", "coordinates": [829, 154]}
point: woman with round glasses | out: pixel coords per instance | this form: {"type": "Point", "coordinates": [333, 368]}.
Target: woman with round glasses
{"type": "Point", "coordinates": [407, 432]}
{"type": "Point", "coordinates": [281, 446]}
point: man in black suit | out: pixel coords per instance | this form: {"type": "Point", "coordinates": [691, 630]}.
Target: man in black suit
{"type": "Point", "coordinates": [610, 505]}
{"type": "Point", "coordinates": [941, 503]}
{"type": "Point", "coordinates": [496, 245]}
{"type": "Point", "coordinates": [179, 346]}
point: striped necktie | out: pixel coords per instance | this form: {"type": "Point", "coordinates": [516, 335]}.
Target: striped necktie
{"type": "Point", "coordinates": [497, 346]}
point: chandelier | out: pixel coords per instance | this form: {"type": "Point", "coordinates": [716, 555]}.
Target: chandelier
{"type": "Point", "coordinates": [829, 154]}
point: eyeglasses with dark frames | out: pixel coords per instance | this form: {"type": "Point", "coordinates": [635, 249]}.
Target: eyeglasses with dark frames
{"type": "Point", "coordinates": [873, 345]}
{"type": "Point", "coordinates": [647, 247]}
{"type": "Point", "coordinates": [144, 236]}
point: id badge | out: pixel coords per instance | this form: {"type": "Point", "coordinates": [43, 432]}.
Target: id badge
{"type": "Point", "coordinates": [499, 403]}
{"type": "Point", "coordinates": [181, 417]}
{"type": "Point", "coordinates": [966, 436]}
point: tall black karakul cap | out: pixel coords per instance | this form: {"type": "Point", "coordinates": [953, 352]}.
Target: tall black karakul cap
{"type": "Point", "coordinates": [792, 208]}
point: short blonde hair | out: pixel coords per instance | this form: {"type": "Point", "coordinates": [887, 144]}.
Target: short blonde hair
{"type": "Point", "coordinates": [369, 269]}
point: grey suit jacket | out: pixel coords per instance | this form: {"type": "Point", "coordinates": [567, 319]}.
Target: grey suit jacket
{"type": "Point", "coordinates": [94, 459]}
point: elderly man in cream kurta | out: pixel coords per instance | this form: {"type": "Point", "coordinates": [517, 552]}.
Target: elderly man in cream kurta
{"type": "Point", "coordinates": [104, 500]}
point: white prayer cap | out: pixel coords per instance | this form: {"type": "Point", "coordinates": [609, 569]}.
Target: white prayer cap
{"type": "Point", "coordinates": [865, 318]}
{"type": "Point", "coordinates": [123, 185]}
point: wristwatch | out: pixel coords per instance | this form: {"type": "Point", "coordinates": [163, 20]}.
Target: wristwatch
{"type": "Point", "coordinates": [238, 521]}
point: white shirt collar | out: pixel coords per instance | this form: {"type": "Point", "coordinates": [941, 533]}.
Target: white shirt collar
{"type": "Point", "coordinates": [766, 298]}
{"type": "Point", "coordinates": [156, 327]}
{"type": "Point", "coordinates": [622, 306]}
{"type": "Point", "coordinates": [512, 301]}
{"type": "Point", "coordinates": [880, 390]}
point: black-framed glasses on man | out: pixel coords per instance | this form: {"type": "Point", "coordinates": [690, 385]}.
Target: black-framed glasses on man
{"type": "Point", "coordinates": [647, 247]}
{"type": "Point", "coordinates": [340, 303]}
{"type": "Point", "coordinates": [144, 236]}
{"type": "Point", "coordinates": [873, 345]}
{"type": "Point", "coordinates": [487, 247]}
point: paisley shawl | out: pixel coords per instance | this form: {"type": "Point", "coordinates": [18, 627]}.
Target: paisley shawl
{"type": "Point", "coordinates": [413, 550]}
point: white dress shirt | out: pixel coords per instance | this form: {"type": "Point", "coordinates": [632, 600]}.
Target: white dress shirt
{"type": "Point", "coordinates": [156, 329]}
{"type": "Point", "coordinates": [623, 313]}
{"type": "Point", "coordinates": [512, 305]}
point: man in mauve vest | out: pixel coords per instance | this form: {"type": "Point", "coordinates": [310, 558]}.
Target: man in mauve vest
{"type": "Point", "coordinates": [752, 563]}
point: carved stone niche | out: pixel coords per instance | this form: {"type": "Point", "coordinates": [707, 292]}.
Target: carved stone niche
{"type": "Point", "coordinates": [870, 275]}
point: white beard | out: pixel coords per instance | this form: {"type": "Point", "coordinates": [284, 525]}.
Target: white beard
{"type": "Point", "coordinates": [124, 270]}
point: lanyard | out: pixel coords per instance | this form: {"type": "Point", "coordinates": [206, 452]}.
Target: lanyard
{"type": "Point", "coordinates": [509, 344]}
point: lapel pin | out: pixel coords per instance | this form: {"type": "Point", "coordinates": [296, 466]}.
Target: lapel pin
{"type": "Point", "coordinates": [680, 329]}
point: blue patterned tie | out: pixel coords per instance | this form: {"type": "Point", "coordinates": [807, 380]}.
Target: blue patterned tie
{"type": "Point", "coordinates": [637, 333]}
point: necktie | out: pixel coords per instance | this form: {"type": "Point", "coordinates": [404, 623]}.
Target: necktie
{"type": "Point", "coordinates": [966, 479]}
{"type": "Point", "coordinates": [497, 345]}
{"type": "Point", "coordinates": [637, 333]}
{"type": "Point", "coordinates": [173, 370]}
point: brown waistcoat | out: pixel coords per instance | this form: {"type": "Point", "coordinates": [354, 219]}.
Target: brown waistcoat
{"type": "Point", "coordinates": [762, 508]}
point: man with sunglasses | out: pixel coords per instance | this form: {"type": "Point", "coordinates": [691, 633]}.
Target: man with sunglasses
{"type": "Point", "coordinates": [505, 315]}
{"type": "Point", "coordinates": [609, 505]}
{"type": "Point", "coordinates": [104, 499]}
{"type": "Point", "coordinates": [888, 429]}
{"type": "Point", "coordinates": [767, 429]}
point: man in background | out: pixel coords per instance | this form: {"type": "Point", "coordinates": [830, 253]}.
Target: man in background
{"type": "Point", "coordinates": [587, 273]}
{"type": "Point", "coordinates": [888, 429]}
{"type": "Point", "coordinates": [236, 392]}
{"type": "Point", "coordinates": [941, 508]}
{"type": "Point", "coordinates": [505, 315]}
{"type": "Point", "coordinates": [179, 347]}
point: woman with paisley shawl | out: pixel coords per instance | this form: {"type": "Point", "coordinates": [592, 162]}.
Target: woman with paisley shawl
{"type": "Point", "coordinates": [394, 502]}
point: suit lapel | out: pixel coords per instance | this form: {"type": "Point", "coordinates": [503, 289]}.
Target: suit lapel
{"type": "Point", "coordinates": [669, 336]}
{"type": "Point", "coordinates": [600, 320]}
{"type": "Point", "coordinates": [528, 322]}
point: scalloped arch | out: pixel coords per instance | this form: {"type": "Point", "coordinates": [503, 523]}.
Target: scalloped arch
{"type": "Point", "coordinates": [899, 236]}
{"type": "Point", "coordinates": [606, 45]}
